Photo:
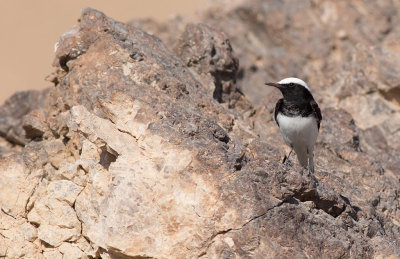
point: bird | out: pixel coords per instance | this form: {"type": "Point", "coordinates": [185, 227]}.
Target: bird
{"type": "Point", "coordinates": [299, 118]}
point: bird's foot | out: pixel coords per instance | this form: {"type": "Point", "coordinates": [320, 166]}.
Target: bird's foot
{"type": "Point", "coordinates": [286, 161]}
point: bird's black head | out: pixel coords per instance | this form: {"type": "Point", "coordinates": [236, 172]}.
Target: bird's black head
{"type": "Point", "coordinates": [293, 90]}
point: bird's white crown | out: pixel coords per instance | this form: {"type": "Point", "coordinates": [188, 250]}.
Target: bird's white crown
{"type": "Point", "coordinates": [294, 80]}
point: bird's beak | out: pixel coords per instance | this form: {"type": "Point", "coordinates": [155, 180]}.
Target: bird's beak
{"type": "Point", "coordinates": [274, 85]}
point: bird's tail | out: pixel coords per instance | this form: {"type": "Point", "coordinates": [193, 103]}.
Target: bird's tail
{"type": "Point", "coordinates": [306, 158]}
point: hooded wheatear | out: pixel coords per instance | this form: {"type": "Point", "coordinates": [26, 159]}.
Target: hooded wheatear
{"type": "Point", "coordinates": [298, 117]}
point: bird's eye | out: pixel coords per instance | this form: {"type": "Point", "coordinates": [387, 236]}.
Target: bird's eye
{"type": "Point", "coordinates": [291, 84]}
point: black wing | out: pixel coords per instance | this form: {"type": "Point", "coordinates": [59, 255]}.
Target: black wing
{"type": "Point", "coordinates": [317, 112]}
{"type": "Point", "coordinates": [278, 107]}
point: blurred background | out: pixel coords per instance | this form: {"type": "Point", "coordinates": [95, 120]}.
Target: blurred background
{"type": "Point", "coordinates": [29, 30]}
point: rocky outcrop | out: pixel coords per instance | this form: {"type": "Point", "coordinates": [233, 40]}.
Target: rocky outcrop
{"type": "Point", "coordinates": [147, 151]}
{"type": "Point", "coordinates": [13, 111]}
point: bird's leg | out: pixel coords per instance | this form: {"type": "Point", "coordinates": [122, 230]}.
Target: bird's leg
{"type": "Point", "coordinates": [309, 164]}
{"type": "Point", "coordinates": [308, 161]}
{"type": "Point", "coordinates": [286, 158]}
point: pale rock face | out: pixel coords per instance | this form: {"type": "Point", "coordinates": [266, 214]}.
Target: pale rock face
{"type": "Point", "coordinates": [71, 251]}
{"type": "Point", "coordinates": [64, 190]}
{"type": "Point", "coordinates": [17, 184]}
{"type": "Point", "coordinates": [54, 214]}
{"type": "Point", "coordinates": [52, 254]}
{"type": "Point", "coordinates": [17, 238]}
{"type": "Point", "coordinates": [174, 205]}
{"type": "Point", "coordinates": [55, 235]}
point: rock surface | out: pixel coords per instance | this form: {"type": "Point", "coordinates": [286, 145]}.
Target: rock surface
{"type": "Point", "coordinates": [149, 150]}
{"type": "Point", "coordinates": [13, 111]}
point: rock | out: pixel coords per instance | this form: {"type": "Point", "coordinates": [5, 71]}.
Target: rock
{"type": "Point", "coordinates": [64, 190]}
{"type": "Point", "coordinates": [52, 254]}
{"type": "Point", "coordinates": [70, 251]}
{"type": "Point", "coordinates": [17, 184]}
{"type": "Point", "coordinates": [12, 113]}
{"type": "Point", "coordinates": [143, 152]}
{"type": "Point", "coordinates": [361, 78]}
{"type": "Point", "coordinates": [17, 238]}
{"type": "Point", "coordinates": [209, 51]}
{"type": "Point", "coordinates": [55, 235]}
{"type": "Point", "coordinates": [277, 39]}
{"type": "Point", "coordinates": [34, 124]}
{"type": "Point", "coordinates": [53, 213]}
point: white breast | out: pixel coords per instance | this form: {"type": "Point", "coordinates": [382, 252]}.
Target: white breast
{"type": "Point", "coordinates": [298, 132]}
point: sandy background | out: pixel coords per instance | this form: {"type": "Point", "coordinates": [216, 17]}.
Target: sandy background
{"type": "Point", "coordinates": [29, 30]}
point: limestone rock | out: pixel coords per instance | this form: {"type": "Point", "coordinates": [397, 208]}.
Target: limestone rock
{"type": "Point", "coordinates": [53, 213]}
{"type": "Point", "coordinates": [17, 184]}
{"type": "Point", "coordinates": [18, 238]}
{"type": "Point", "coordinates": [52, 254]}
{"type": "Point", "coordinates": [64, 191]}
{"type": "Point", "coordinates": [70, 251]}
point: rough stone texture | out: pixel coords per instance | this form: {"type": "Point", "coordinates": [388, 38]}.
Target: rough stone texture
{"type": "Point", "coordinates": [148, 151]}
{"type": "Point", "coordinates": [209, 52]}
{"type": "Point", "coordinates": [14, 110]}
